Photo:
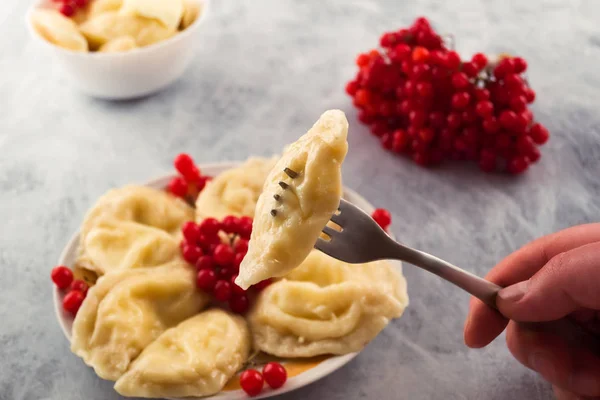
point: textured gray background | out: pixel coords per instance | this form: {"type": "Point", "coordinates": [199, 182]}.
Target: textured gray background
{"type": "Point", "coordinates": [264, 72]}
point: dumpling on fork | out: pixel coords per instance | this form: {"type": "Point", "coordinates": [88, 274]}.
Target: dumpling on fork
{"type": "Point", "coordinates": [300, 195]}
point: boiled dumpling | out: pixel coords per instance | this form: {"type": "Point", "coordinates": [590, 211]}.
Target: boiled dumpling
{"type": "Point", "coordinates": [191, 11]}
{"type": "Point", "coordinates": [58, 29]}
{"type": "Point", "coordinates": [134, 226]}
{"type": "Point", "coordinates": [196, 358]}
{"type": "Point", "coordinates": [110, 25]}
{"type": "Point", "coordinates": [98, 7]}
{"type": "Point", "coordinates": [235, 191]}
{"type": "Point", "coordinates": [116, 245]}
{"type": "Point", "coordinates": [288, 220]}
{"type": "Point", "coordinates": [167, 12]}
{"type": "Point", "coordinates": [327, 307]}
{"type": "Point", "coordinates": [124, 43]}
{"type": "Point", "coordinates": [127, 310]}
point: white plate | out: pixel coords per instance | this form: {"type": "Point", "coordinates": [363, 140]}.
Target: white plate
{"type": "Point", "coordinates": [319, 371]}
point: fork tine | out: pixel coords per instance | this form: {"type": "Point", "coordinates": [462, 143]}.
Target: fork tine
{"type": "Point", "coordinates": [329, 231]}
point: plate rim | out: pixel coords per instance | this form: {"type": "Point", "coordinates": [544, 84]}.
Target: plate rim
{"type": "Point", "coordinates": [305, 378]}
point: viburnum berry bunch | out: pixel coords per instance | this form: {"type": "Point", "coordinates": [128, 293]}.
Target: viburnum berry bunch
{"type": "Point", "coordinates": [420, 99]}
{"type": "Point", "coordinates": [190, 181]}
{"type": "Point", "coordinates": [76, 289]}
{"type": "Point", "coordinates": [216, 249]}
{"type": "Point", "coordinates": [69, 7]}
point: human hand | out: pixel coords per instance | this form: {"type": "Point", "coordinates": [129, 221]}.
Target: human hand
{"type": "Point", "coordinates": [551, 278]}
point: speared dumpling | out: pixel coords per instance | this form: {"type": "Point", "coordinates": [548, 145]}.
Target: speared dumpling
{"type": "Point", "coordinates": [58, 29]}
{"type": "Point", "coordinates": [235, 191]}
{"type": "Point", "coordinates": [332, 308]}
{"type": "Point", "coordinates": [196, 358]}
{"type": "Point", "coordinates": [126, 311]}
{"type": "Point", "coordinates": [300, 195]}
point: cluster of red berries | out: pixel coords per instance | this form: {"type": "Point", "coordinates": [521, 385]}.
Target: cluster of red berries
{"type": "Point", "coordinates": [252, 381]}
{"type": "Point", "coordinates": [421, 100]}
{"type": "Point", "coordinates": [190, 181]}
{"type": "Point", "coordinates": [69, 7]}
{"type": "Point", "coordinates": [217, 249]}
{"type": "Point", "coordinates": [77, 289]}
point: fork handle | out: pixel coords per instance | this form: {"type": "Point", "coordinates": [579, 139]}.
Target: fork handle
{"type": "Point", "coordinates": [484, 290]}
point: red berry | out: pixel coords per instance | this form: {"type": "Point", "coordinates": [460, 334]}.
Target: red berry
{"type": "Point", "coordinates": [417, 118]}
{"type": "Point", "coordinates": [491, 125]}
{"type": "Point", "coordinates": [424, 89]}
{"type": "Point", "coordinates": [529, 95]}
{"type": "Point", "coordinates": [239, 304]}
{"type": "Point", "coordinates": [427, 135]}
{"type": "Point", "coordinates": [237, 259]}
{"type": "Point", "coordinates": [378, 128]}
{"type": "Point", "coordinates": [518, 103]}
{"type": "Point", "coordinates": [514, 83]}
{"type": "Point", "coordinates": [382, 217]}
{"type": "Point", "coordinates": [539, 133]}
{"type": "Point", "coordinates": [241, 246]}
{"type": "Point", "coordinates": [222, 291]}
{"type": "Point", "coordinates": [487, 161]}
{"type": "Point", "coordinates": [519, 65]}
{"type": "Point", "coordinates": [517, 165]}
{"type": "Point", "coordinates": [235, 288]}
{"type": "Point", "coordinates": [73, 301]}
{"type": "Point", "coordinates": [421, 159]}
{"type": "Point", "coordinates": [504, 67]}
{"type": "Point", "coordinates": [209, 227]}
{"type": "Point", "coordinates": [61, 276]}
{"type": "Point", "coordinates": [183, 163]}
{"type": "Point", "coordinates": [480, 60]}
{"type": "Point", "coordinates": [437, 57]}
{"type": "Point", "coordinates": [362, 97]}
{"type": "Point", "coordinates": [420, 54]}
{"type": "Point", "coordinates": [352, 87]}
{"type": "Point", "coordinates": [274, 374]}
{"type": "Point", "coordinates": [484, 108]}
{"type": "Point", "coordinates": [362, 60]}
{"type": "Point", "coordinates": [454, 120]}
{"type": "Point", "coordinates": [460, 100]}
{"type": "Point", "coordinates": [409, 88]}
{"type": "Point", "coordinates": [400, 140]}
{"type": "Point", "coordinates": [400, 52]}
{"type": "Point", "coordinates": [365, 117]}
{"type": "Point", "coordinates": [81, 3]}
{"type": "Point", "coordinates": [252, 382]}
{"type": "Point", "coordinates": [178, 187]}
{"type": "Point", "coordinates": [387, 140]}
{"type": "Point", "coordinates": [262, 285]}
{"type": "Point", "coordinates": [437, 119]}
{"type": "Point", "coordinates": [482, 94]}
{"type": "Point", "coordinates": [191, 253]}
{"type": "Point", "coordinates": [206, 280]}
{"type": "Point", "coordinates": [205, 262]}
{"type": "Point", "coordinates": [452, 60]}
{"type": "Point", "coordinates": [470, 69]}
{"type": "Point", "coordinates": [534, 155]}
{"type": "Point", "coordinates": [230, 224]}
{"type": "Point", "coordinates": [191, 231]}
{"type": "Point", "coordinates": [223, 255]}
{"type": "Point", "coordinates": [460, 80]}
{"type": "Point", "coordinates": [388, 39]}
{"type": "Point", "coordinates": [525, 145]}
{"type": "Point", "coordinates": [245, 227]}
{"type": "Point", "coordinates": [508, 119]}
{"type": "Point", "coordinates": [67, 10]}
{"type": "Point", "coordinates": [80, 286]}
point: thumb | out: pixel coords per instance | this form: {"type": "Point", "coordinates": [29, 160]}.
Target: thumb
{"type": "Point", "coordinates": [568, 282]}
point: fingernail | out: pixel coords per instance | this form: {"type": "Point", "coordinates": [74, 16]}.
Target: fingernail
{"type": "Point", "coordinates": [515, 292]}
{"type": "Point", "coordinates": [544, 365]}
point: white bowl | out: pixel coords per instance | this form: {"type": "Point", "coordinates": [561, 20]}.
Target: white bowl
{"type": "Point", "coordinates": [131, 74]}
{"type": "Point", "coordinates": [320, 370]}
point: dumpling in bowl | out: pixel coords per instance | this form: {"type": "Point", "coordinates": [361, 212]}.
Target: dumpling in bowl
{"type": "Point", "coordinates": [124, 43]}
{"type": "Point", "coordinates": [58, 29]}
{"type": "Point", "coordinates": [327, 307]}
{"type": "Point", "coordinates": [107, 26]}
{"type": "Point", "coordinates": [98, 7]}
{"type": "Point", "coordinates": [235, 191]}
{"type": "Point", "coordinates": [300, 195]}
{"type": "Point", "coordinates": [196, 358]}
{"type": "Point", "coordinates": [167, 13]}
{"type": "Point", "coordinates": [134, 226]}
{"type": "Point", "coordinates": [127, 310]}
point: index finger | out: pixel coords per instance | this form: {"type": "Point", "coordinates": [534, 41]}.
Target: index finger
{"type": "Point", "coordinates": [484, 324]}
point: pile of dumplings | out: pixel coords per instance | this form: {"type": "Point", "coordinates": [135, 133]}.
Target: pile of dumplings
{"type": "Point", "coordinates": [116, 25]}
{"type": "Point", "coordinates": [146, 326]}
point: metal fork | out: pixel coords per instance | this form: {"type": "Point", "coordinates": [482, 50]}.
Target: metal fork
{"type": "Point", "coordinates": [360, 240]}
